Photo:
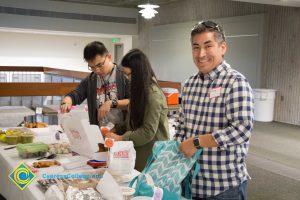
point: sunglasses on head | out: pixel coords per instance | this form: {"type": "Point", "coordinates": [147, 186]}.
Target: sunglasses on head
{"type": "Point", "coordinates": [212, 26]}
{"type": "Point", "coordinates": [208, 24]}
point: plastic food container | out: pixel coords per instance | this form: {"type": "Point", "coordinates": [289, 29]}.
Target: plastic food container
{"type": "Point", "coordinates": [12, 139]}
{"type": "Point", "coordinates": [32, 150]}
{"type": "Point", "coordinates": [59, 148]}
{"type": "Point", "coordinates": [26, 138]}
{"type": "Point", "coordinates": [18, 135]}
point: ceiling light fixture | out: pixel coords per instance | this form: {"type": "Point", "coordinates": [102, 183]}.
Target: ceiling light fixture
{"type": "Point", "coordinates": [148, 10]}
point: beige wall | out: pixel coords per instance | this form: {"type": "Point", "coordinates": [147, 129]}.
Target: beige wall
{"type": "Point", "coordinates": [78, 24]}
{"type": "Point", "coordinates": [281, 48]}
{"type": "Point", "coordinates": [28, 38]}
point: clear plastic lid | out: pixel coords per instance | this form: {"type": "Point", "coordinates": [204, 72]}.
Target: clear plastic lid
{"type": "Point", "coordinates": [32, 147]}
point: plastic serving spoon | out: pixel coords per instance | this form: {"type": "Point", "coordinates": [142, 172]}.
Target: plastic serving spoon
{"type": "Point", "coordinates": [51, 156]}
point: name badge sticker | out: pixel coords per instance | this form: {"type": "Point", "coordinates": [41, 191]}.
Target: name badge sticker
{"type": "Point", "coordinates": [215, 92]}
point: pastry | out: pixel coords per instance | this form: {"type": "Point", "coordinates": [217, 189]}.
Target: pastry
{"type": "Point", "coordinates": [36, 125]}
{"type": "Point", "coordinates": [43, 164]}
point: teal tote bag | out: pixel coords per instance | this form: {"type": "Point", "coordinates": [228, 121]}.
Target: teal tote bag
{"type": "Point", "coordinates": [166, 168]}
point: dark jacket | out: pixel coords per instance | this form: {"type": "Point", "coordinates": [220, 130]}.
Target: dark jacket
{"type": "Point", "coordinates": [87, 90]}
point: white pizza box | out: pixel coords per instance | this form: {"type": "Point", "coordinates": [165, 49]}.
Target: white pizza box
{"type": "Point", "coordinates": [83, 137]}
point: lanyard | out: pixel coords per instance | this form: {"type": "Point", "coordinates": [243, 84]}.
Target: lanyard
{"type": "Point", "coordinates": [106, 84]}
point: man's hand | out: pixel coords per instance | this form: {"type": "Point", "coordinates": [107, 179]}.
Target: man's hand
{"type": "Point", "coordinates": [187, 147]}
{"type": "Point", "coordinates": [66, 104]}
{"type": "Point", "coordinates": [104, 109]}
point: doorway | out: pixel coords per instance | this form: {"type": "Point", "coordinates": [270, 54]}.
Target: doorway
{"type": "Point", "coordinates": [118, 52]}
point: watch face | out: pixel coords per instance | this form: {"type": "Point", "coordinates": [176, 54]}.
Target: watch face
{"type": "Point", "coordinates": [196, 142]}
{"type": "Point", "coordinates": [114, 103]}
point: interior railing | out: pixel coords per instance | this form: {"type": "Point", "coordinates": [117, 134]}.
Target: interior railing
{"type": "Point", "coordinates": [50, 88]}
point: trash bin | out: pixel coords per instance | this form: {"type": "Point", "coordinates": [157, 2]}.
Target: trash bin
{"type": "Point", "coordinates": [264, 104]}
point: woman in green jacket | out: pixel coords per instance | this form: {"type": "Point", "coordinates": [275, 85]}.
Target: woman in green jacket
{"type": "Point", "coordinates": [147, 120]}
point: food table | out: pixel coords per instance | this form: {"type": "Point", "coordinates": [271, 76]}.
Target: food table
{"type": "Point", "coordinates": [9, 160]}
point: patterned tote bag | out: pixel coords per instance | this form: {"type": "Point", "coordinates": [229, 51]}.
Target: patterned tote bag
{"type": "Point", "coordinates": [166, 168]}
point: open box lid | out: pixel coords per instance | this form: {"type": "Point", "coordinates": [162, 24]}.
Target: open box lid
{"type": "Point", "coordinates": [83, 137]}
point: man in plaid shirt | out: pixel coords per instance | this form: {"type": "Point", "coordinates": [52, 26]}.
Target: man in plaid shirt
{"type": "Point", "coordinates": [216, 115]}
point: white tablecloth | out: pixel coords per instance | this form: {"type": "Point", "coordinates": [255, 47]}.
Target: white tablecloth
{"type": "Point", "coordinates": [9, 159]}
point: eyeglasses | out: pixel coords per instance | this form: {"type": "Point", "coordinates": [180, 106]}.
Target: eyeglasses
{"type": "Point", "coordinates": [99, 66]}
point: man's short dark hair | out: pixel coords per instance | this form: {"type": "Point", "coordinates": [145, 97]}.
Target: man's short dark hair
{"type": "Point", "coordinates": [209, 26]}
{"type": "Point", "coordinates": [92, 49]}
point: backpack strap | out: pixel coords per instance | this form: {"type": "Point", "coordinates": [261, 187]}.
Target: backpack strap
{"type": "Point", "coordinates": [133, 181]}
{"type": "Point", "coordinates": [197, 164]}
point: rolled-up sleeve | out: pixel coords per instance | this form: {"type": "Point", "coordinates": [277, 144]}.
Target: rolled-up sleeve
{"type": "Point", "coordinates": [180, 129]}
{"type": "Point", "coordinates": [239, 112]}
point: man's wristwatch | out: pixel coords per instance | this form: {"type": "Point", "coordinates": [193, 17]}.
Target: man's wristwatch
{"type": "Point", "coordinates": [196, 141]}
{"type": "Point", "coordinates": [114, 103]}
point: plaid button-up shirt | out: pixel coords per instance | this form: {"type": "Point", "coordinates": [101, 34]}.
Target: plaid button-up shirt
{"type": "Point", "coordinates": [220, 103]}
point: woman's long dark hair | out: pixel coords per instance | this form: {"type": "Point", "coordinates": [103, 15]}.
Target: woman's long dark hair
{"type": "Point", "coordinates": [141, 78]}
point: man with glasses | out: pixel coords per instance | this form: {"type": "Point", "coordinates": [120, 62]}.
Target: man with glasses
{"type": "Point", "coordinates": [216, 116]}
{"type": "Point", "coordinates": [105, 87]}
